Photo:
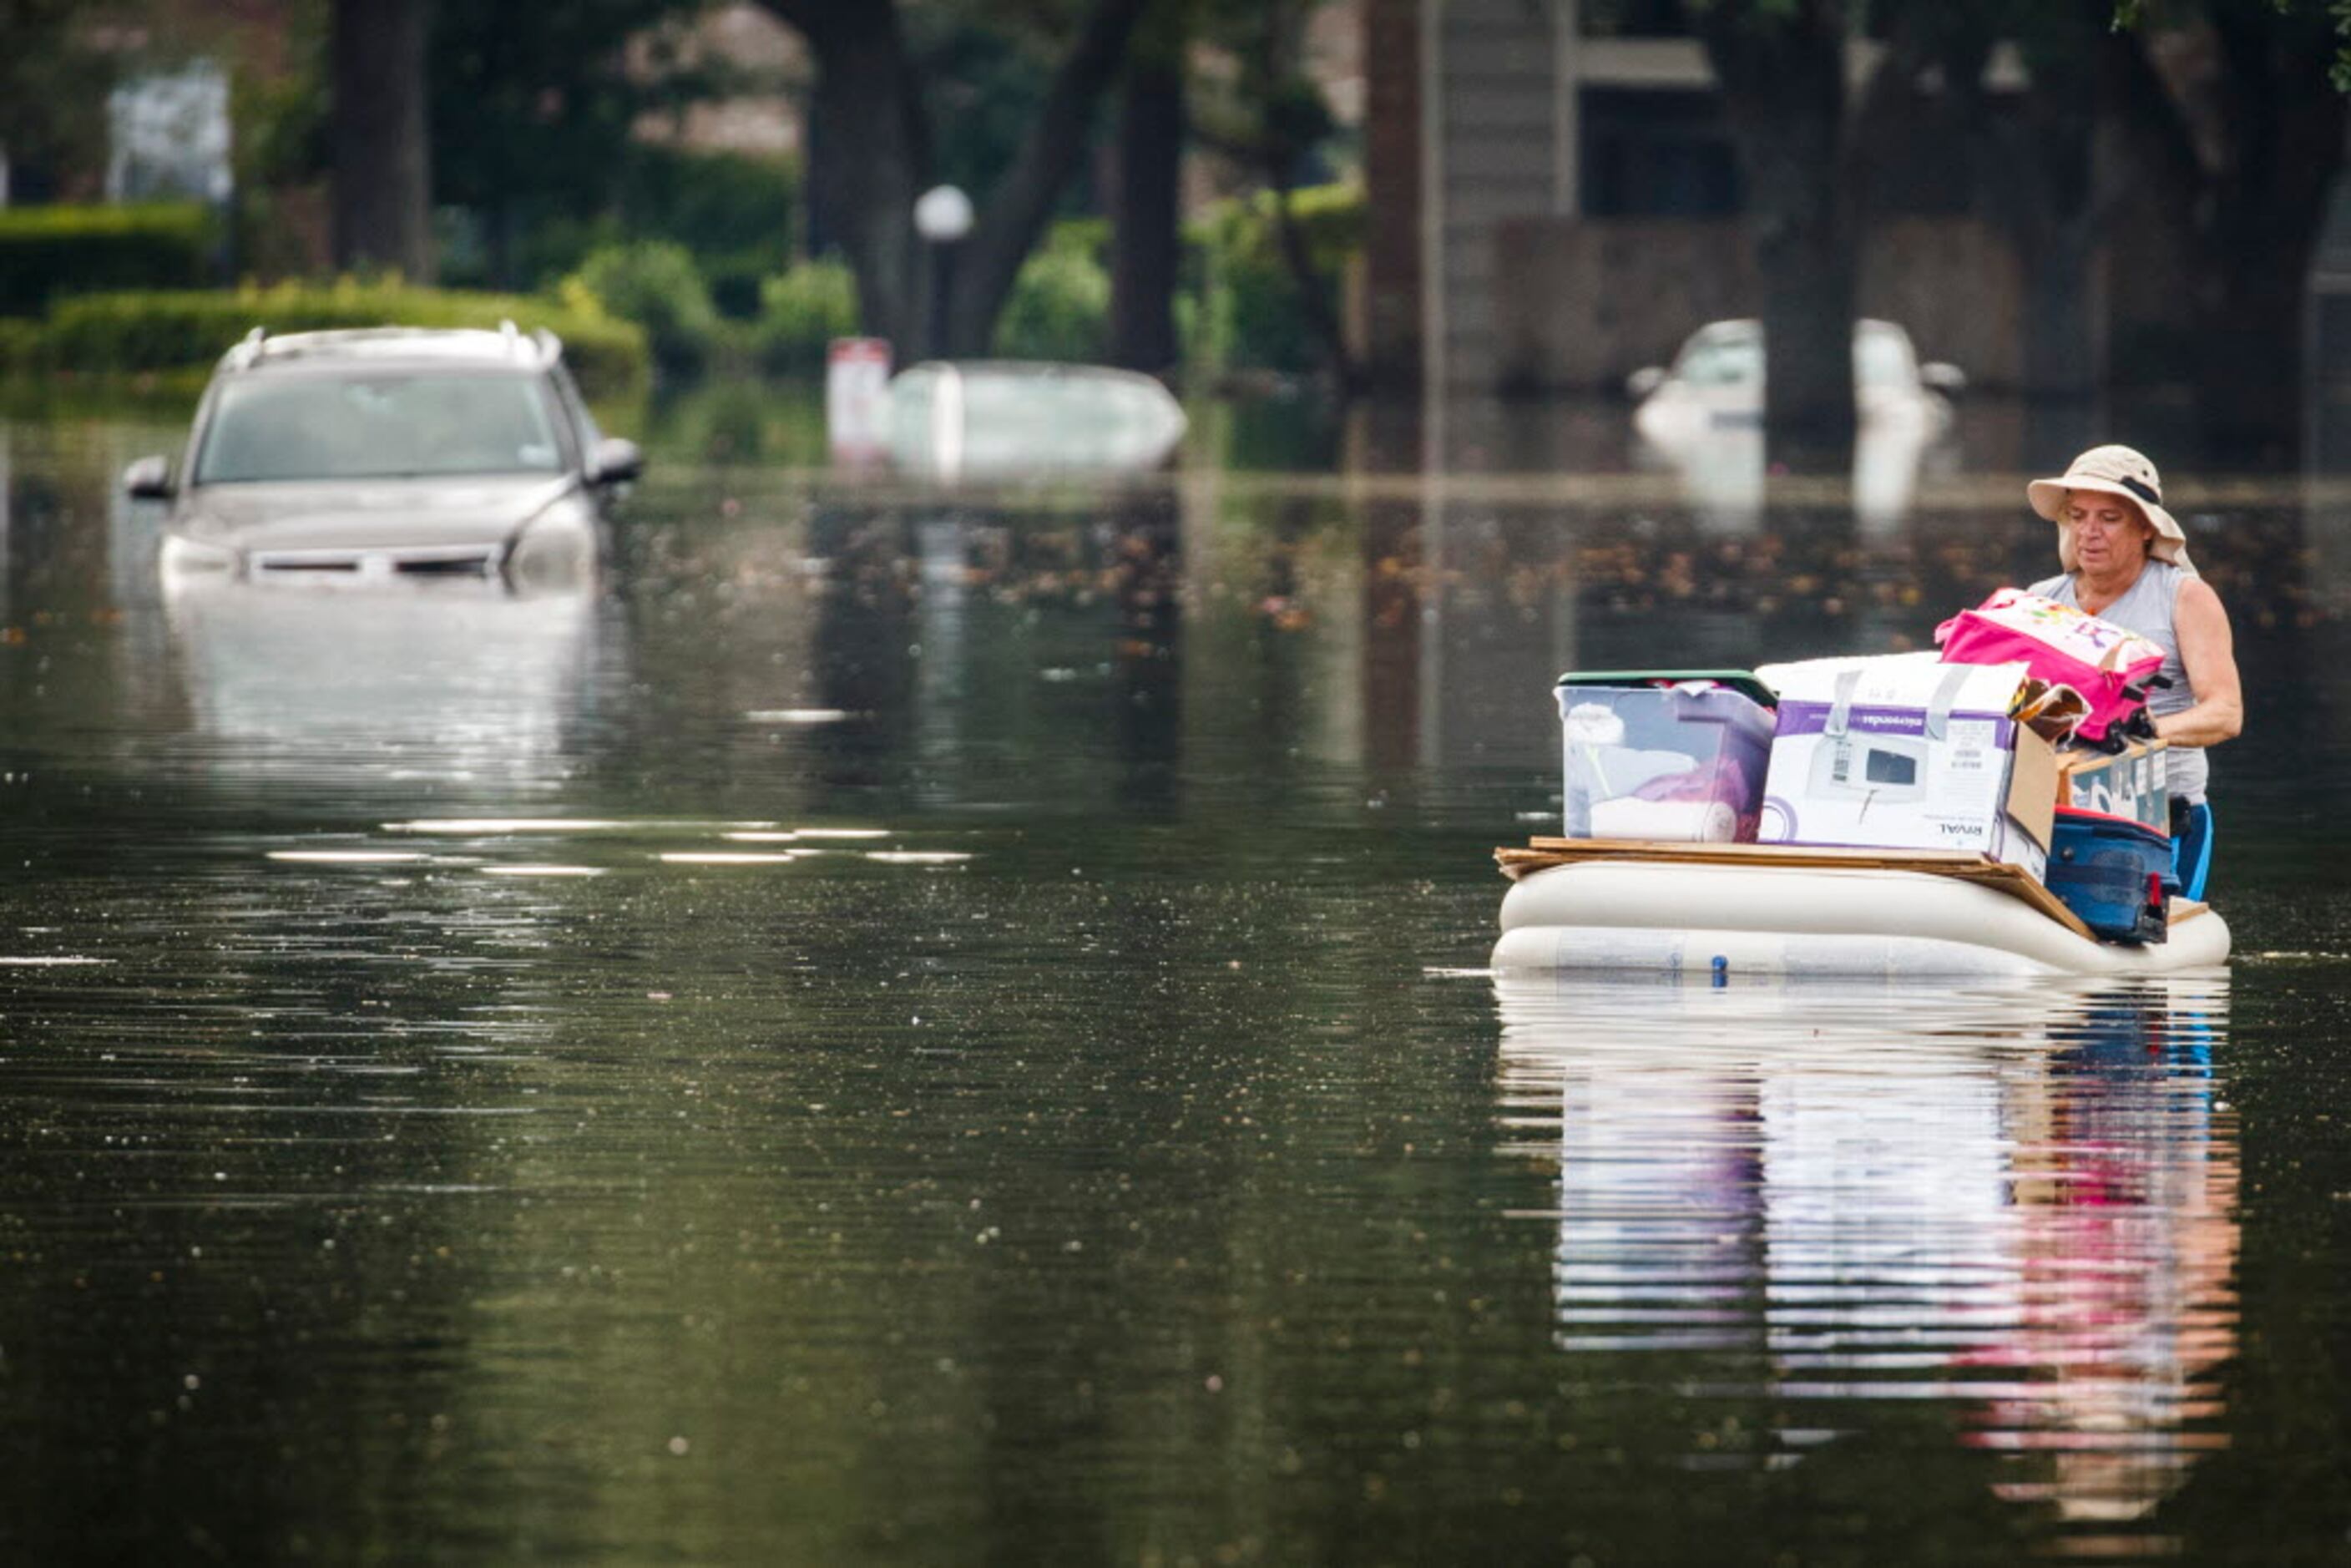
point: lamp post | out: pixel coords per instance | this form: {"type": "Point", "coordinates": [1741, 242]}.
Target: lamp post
{"type": "Point", "coordinates": [942, 216]}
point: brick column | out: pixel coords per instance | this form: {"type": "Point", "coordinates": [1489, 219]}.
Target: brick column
{"type": "Point", "coordinates": [1392, 352]}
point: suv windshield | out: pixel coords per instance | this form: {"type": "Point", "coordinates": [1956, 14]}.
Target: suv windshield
{"type": "Point", "coordinates": [1722, 360]}
{"type": "Point", "coordinates": [378, 425]}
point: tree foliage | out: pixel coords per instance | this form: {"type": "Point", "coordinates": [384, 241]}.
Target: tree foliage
{"type": "Point", "coordinates": [52, 86]}
{"type": "Point", "coordinates": [875, 149]}
{"type": "Point", "coordinates": [533, 108]}
{"type": "Point", "coordinates": [1268, 117]}
{"type": "Point", "coordinates": [1781, 68]}
{"type": "Point", "coordinates": [2137, 15]}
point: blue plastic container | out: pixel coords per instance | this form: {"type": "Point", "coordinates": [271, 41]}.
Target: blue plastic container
{"type": "Point", "coordinates": [2113, 874]}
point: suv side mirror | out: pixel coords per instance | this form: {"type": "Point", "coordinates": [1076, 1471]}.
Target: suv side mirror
{"type": "Point", "coordinates": [1644, 382]}
{"type": "Point", "coordinates": [1942, 377]}
{"type": "Point", "coordinates": [611, 460]}
{"type": "Point", "coordinates": [148, 479]}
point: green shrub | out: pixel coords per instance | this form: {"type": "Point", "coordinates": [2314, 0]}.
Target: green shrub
{"type": "Point", "coordinates": [1060, 305]}
{"type": "Point", "coordinates": [103, 333]}
{"type": "Point", "coordinates": [801, 311]}
{"type": "Point", "coordinates": [733, 211]}
{"type": "Point", "coordinates": [654, 284]}
{"type": "Point", "coordinates": [46, 253]}
{"type": "Point", "coordinates": [1253, 316]}
{"type": "Point", "coordinates": [20, 345]}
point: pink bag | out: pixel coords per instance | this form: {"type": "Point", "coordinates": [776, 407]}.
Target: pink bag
{"type": "Point", "coordinates": [2108, 665]}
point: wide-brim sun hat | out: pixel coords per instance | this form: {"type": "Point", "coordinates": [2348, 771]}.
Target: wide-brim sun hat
{"type": "Point", "coordinates": [2112, 471]}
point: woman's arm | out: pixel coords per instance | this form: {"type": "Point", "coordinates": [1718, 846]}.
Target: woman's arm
{"type": "Point", "coordinates": [2210, 653]}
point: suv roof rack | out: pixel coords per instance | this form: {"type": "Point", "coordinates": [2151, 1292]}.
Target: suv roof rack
{"type": "Point", "coordinates": [539, 350]}
{"type": "Point", "coordinates": [247, 348]}
{"type": "Point", "coordinates": [543, 344]}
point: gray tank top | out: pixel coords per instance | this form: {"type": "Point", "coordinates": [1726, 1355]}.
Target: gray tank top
{"type": "Point", "coordinates": [2146, 608]}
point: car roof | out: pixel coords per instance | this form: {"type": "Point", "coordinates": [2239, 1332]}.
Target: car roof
{"type": "Point", "coordinates": [506, 348]}
{"type": "Point", "coordinates": [1748, 326]}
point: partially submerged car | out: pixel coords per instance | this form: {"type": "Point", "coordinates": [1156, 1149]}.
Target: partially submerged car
{"type": "Point", "coordinates": [985, 418]}
{"type": "Point", "coordinates": [388, 453]}
{"type": "Point", "coordinates": [1717, 381]}
{"type": "Point", "coordinates": [1703, 419]}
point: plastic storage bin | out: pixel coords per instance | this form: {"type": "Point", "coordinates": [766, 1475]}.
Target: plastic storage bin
{"type": "Point", "coordinates": [1681, 763]}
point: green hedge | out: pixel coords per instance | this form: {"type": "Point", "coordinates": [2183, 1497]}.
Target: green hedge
{"type": "Point", "coordinates": [1060, 305]}
{"type": "Point", "coordinates": [801, 312]}
{"type": "Point", "coordinates": [104, 333]}
{"type": "Point", "coordinates": [655, 284]}
{"type": "Point", "coordinates": [46, 253]}
{"type": "Point", "coordinates": [734, 210]}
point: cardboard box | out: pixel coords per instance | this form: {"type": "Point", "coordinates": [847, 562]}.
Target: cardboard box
{"type": "Point", "coordinates": [1679, 763]}
{"type": "Point", "coordinates": [2133, 784]}
{"type": "Point", "coordinates": [1905, 753]}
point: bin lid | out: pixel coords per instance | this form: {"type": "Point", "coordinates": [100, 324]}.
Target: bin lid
{"type": "Point", "coordinates": [1744, 682]}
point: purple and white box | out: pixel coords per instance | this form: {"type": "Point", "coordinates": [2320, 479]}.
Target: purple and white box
{"type": "Point", "coordinates": [1908, 753]}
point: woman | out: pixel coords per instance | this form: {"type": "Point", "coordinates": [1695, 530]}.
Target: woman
{"type": "Point", "coordinates": [2125, 560]}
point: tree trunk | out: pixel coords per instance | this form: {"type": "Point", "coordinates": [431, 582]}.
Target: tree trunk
{"type": "Point", "coordinates": [382, 204]}
{"type": "Point", "coordinates": [1314, 291]}
{"type": "Point", "coordinates": [1145, 240]}
{"type": "Point", "coordinates": [2052, 188]}
{"type": "Point", "coordinates": [2063, 357]}
{"type": "Point", "coordinates": [1013, 215]}
{"type": "Point", "coordinates": [1783, 73]}
{"type": "Point", "coordinates": [2247, 202]}
{"type": "Point", "coordinates": [2039, 167]}
{"type": "Point", "coordinates": [2249, 359]}
{"type": "Point", "coordinates": [2260, 229]}
{"type": "Point", "coordinates": [870, 157]}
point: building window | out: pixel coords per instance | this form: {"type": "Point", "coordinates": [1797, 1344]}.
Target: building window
{"type": "Point", "coordinates": [1655, 153]}
{"type": "Point", "coordinates": [1634, 19]}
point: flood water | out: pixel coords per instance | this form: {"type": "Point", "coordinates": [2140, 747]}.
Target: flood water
{"type": "Point", "coordinates": [908, 1028]}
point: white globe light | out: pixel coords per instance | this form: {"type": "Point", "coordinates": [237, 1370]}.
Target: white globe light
{"type": "Point", "coordinates": [943, 213]}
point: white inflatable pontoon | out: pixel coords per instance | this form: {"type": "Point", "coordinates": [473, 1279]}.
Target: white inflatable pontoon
{"type": "Point", "coordinates": [1729, 909]}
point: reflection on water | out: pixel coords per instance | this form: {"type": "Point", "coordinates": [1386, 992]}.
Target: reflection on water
{"type": "Point", "coordinates": [454, 683]}
{"type": "Point", "coordinates": [1724, 478]}
{"type": "Point", "coordinates": [957, 987]}
{"type": "Point", "coordinates": [2017, 1205]}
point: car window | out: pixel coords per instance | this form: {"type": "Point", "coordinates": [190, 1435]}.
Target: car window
{"type": "Point", "coordinates": [378, 425]}
{"type": "Point", "coordinates": [1722, 361]}
{"type": "Point", "coordinates": [582, 420]}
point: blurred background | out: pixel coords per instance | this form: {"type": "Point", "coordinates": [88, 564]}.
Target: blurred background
{"type": "Point", "coordinates": [2091, 216]}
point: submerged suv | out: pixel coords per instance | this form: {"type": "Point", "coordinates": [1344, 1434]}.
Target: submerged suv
{"type": "Point", "coordinates": [390, 451]}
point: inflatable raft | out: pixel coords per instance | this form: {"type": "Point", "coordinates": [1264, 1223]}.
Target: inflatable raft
{"type": "Point", "coordinates": [1738, 909]}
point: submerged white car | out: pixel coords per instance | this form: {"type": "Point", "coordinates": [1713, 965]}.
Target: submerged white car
{"type": "Point", "coordinates": [1717, 381]}
{"type": "Point", "coordinates": [995, 419]}
{"type": "Point", "coordinates": [1703, 419]}
{"type": "Point", "coordinates": [358, 457]}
